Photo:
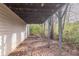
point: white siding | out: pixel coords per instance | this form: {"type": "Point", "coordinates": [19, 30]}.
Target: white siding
{"type": "Point", "coordinates": [12, 30]}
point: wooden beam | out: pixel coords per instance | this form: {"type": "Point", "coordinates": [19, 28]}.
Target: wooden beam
{"type": "Point", "coordinates": [30, 10]}
{"type": "Point", "coordinates": [34, 13]}
{"type": "Point", "coordinates": [34, 5]}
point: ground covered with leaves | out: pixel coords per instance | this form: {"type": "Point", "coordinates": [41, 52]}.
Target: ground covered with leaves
{"type": "Point", "coordinates": [35, 46]}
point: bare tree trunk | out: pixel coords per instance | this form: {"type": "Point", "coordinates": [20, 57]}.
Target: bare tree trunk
{"type": "Point", "coordinates": [60, 32]}
{"type": "Point", "coordinates": [44, 30]}
{"type": "Point", "coordinates": [64, 15]}
{"type": "Point", "coordinates": [49, 27]}
{"type": "Point", "coordinates": [52, 29]}
{"type": "Point", "coordinates": [60, 15]}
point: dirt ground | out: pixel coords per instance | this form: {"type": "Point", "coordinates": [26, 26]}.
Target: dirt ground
{"type": "Point", "coordinates": [35, 46]}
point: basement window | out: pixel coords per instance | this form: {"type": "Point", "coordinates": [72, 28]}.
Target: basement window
{"type": "Point", "coordinates": [0, 41]}
{"type": "Point", "coordinates": [22, 36]}
{"type": "Point", "coordinates": [0, 52]}
{"type": "Point", "coordinates": [0, 44]}
{"type": "Point", "coordinates": [14, 37]}
{"type": "Point", "coordinates": [5, 37]}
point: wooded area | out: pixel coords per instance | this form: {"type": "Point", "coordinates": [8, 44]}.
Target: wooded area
{"type": "Point", "coordinates": [39, 29]}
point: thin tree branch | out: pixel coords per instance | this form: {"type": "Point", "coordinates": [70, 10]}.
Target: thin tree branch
{"type": "Point", "coordinates": [65, 10]}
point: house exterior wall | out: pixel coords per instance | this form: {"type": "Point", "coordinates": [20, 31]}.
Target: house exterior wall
{"type": "Point", "coordinates": [12, 30]}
